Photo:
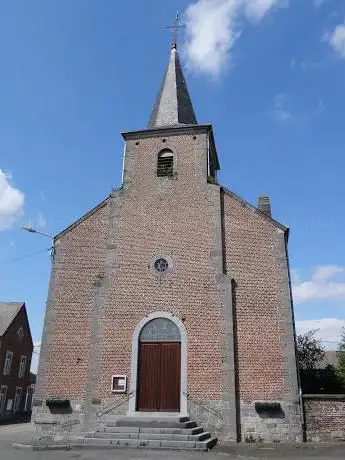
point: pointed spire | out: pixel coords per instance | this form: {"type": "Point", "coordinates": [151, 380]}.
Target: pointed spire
{"type": "Point", "coordinates": [173, 104]}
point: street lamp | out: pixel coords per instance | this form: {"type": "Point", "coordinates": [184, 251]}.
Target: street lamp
{"type": "Point", "coordinates": [29, 229]}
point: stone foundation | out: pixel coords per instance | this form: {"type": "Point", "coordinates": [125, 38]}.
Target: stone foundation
{"type": "Point", "coordinates": [214, 416]}
{"type": "Point", "coordinates": [57, 427]}
{"type": "Point", "coordinates": [286, 427]}
{"type": "Point", "coordinates": [71, 426]}
{"type": "Point", "coordinates": [217, 417]}
{"type": "Point", "coordinates": [251, 427]}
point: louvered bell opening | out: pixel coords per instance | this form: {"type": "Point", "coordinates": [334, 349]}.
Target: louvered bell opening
{"type": "Point", "coordinates": [165, 164]}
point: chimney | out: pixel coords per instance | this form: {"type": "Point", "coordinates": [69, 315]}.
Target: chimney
{"type": "Point", "coordinates": [265, 205]}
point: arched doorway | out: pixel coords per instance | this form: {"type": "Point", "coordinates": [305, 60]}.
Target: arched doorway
{"type": "Point", "coordinates": [159, 367]}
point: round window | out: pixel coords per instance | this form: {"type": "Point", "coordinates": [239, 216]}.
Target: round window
{"type": "Point", "coordinates": [161, 265]}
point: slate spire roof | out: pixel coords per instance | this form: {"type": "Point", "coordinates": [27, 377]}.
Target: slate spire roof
{"type": "Point", "coordinates": [173, 104]}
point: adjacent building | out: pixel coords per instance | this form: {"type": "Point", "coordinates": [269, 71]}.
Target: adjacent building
{"type": "Point", "coordinates": [16, 347]}
{"type": "Point", "coordinates": [172, 296]}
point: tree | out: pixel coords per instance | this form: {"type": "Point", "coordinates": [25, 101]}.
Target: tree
{"type": "Point", "coordinates": [341, 357]}
{"type": "Point", "coordinates": [316, 377]}
{"type": "Point", "coordinates": [309, 350]}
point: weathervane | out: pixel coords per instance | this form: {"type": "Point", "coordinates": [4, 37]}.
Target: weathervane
{"type": "Point", "coordinates": [175, 29]}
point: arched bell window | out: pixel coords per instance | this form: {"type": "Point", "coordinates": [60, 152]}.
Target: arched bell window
{"type": "Point", "coordinates": [165, 163]}
{"type": "Point", "coordinates": [160, 330]}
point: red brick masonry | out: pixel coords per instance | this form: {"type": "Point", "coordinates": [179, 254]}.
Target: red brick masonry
{"type": "Point", "coordinates": [325, 417]}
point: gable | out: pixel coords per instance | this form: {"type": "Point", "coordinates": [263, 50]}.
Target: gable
{"type": "Point", "coordinates": [8, 312]}
{"type": "Point", "coordinates": [82, 219]}
{"type": "Point", "coordinates": [255, 210]}
{"type": "Point", "coordinates": [20, 320]}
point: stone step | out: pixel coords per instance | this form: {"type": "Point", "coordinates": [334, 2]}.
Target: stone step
{"type": "Point", "coordinates": [156, 418]}
{"type": "Point", "coordinates": [133, 429]}
{"type": "Point", "coordinates": [152, 423]}
{"type": "Point", "coordinates": [150, 436]}
{"type": "Point", "coordinates": [151, 444]}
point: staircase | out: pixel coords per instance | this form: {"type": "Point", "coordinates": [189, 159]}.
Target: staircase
{"type": "Point", "coordinates": [152, 433]}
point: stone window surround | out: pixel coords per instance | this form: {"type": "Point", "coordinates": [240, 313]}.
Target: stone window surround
{"type": "Point", "coordinates": [3, 392]}
{"type": "Point", "coordinates": [164, 154]}
{"type": "Point", "coordinates": [22, 366]}
{"type": "Point", "coordinates": [17, 399]}
{"type": "Point", "coordinates": [29, 392]}
{"type": "Point", "coordinates": [8, 363]}
{"type": "Point", "coordinates": [134, 364]}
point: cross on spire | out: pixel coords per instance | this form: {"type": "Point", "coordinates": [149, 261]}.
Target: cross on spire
{"type": "Point", "coordinates": [175, 29]}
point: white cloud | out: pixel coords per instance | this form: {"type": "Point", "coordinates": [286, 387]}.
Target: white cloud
{"type": "Point", "coordinates": [337, 39]}
{"type": "Point", "coordinates": [326, 272]}
{"type": "Point", "coordinates": [280, 109]}
{"type": "Point", "coordinates": [213, 26]}
{"type": "Point", "coordinates": [35, 357]}
{"type": "Point", "coordinates": [11, 201]}
{"type": "Point", "coordinates": [329, 329]}
{"type": "Point", "coordinates": [326, 283]}
{"type": "Point", "coordinates": [256, 9]}
{"type": "Point", "coordinates": [211, 33]}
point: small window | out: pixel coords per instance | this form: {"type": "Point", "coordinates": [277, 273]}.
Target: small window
{"type": "Point", "coordinates": [161, 265]}
{"type": "Point", "coordinates": [28, 398]}
{"type": "Point", "coordinates": [22, 367]}
{"type": "Point", "coordinates": [20, 333]}
{"type": "Point", "coordinates": [17, 400]}
{"type": "Point", "coordinates": [3, 394]}
{"type": "Point", "coordinates": [8, 363]}
{"type": "Point", "coordinates": [165, 163]}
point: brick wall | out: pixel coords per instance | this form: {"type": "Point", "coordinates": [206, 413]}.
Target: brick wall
{"type": "Point", "coordinates": [78, 263]}
{"type": "Point", "coordinates": [158, 215]}
{"type": "Point", "coordinates": [257, 261]}
{"type": "Point", "coordinates": [324, 417]}
{"type": "Point", "coordinates": [150, 215]}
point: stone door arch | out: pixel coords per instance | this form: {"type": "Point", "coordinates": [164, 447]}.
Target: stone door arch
{"type": "Point", "coordinates": [159, 365]}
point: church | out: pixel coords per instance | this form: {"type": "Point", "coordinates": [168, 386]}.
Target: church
{"type": "Point", "coordinates": [170, 301]}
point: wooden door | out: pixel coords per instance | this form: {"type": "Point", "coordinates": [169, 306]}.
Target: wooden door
{"type": "Point", "coordinates": [159, 377]}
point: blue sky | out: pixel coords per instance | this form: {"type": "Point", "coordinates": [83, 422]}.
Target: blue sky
{"type": "Point", "coordinates": [269, 75]}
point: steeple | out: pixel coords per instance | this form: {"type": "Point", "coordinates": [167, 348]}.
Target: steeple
{"type": "Point", "coordinates": [173, 104]}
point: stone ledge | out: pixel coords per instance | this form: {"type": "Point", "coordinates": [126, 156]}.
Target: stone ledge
{"type": "Point", "coordinates": [57, 423]}
{"type": "Point", "coordinates": [40, 447]}
{"type": "Point", "coordinates": [334, 397]}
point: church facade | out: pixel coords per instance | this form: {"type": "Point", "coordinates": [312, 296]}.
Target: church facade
{"type": "Point", "coordinates": [172, 296]}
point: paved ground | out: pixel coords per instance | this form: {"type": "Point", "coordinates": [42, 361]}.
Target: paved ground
{"type": "Point", "coordinates": [21, 433]}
